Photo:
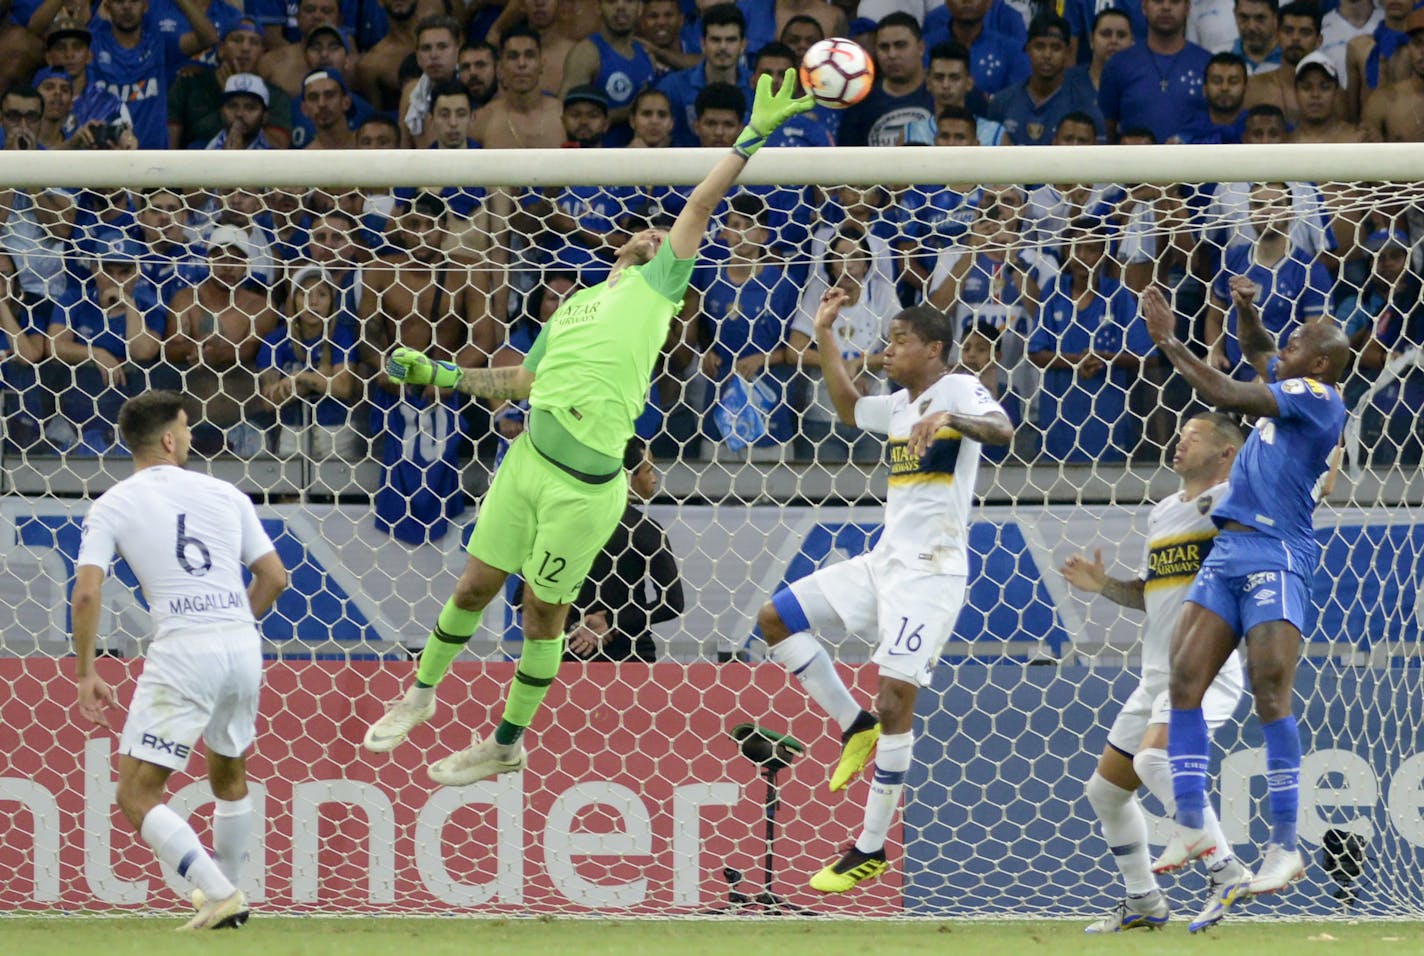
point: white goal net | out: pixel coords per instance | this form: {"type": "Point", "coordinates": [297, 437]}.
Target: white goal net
{"type": "Point", "coordinates": [268, 289]}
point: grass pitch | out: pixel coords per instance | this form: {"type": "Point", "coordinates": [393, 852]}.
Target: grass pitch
{"type": "Point", "coordinates": [359, 936]}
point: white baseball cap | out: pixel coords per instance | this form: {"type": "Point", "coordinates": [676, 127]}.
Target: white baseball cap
{"type": "Point", "coordinates": [230, 236]}
{"type": "Point", "coordinates": [1321, 59]}
{"type": "Point", "coordinates": [249, 84]}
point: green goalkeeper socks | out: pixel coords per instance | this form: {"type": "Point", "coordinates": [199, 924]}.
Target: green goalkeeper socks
{"type": "Point", "coordinates": [453, 630]}
{"type": "Point", "coordinates": [538, 665]}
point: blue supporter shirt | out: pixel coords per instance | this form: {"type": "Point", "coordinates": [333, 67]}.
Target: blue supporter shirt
{"type": "Point", "coordinates": [1203, 132]}
{"type": "Point", "coordinates": [1086, 419]}
{"type": "Point", "coordinates": [168, 18]}
{"type": "Point", "coordinates": [1033, 124]}
{"type": "Point", "coordinates": [137, 77]}
{"type": "Point", "coordinates": [366, 20]}
{"type": "Point", "coordinates": [1276, 476]}
{"type": "Point", "coordinates": [682, 87]}
{"type": "Point", "coordinates": [1161, 93]}
{"type": "Point", "coordinates": [996, 61]}
{"type": "Point", "coordinates": [805, 129]}
{"type": "Point", "coordinates": [880, 119]}
{"type": "Point", "coordinates": [284, 351]}
{"type": "Point", "coordinates": [171, 270]}
{"type": "Point", "coordinates": [77, 307]}
{"type": "Point", "coordinates": [1081, 13]}
{"type": "Point", "coordinates": [1000, 18]}
{"type": "Point", "coordinates": [747, 319]}
{"type": "Point", "coordinates": [598, 209]}
{"type": "Point", "coordinates": [620, 77]}
{"type": "Point", "coordinates": [1293, 292]}
{"type": "Point", "coordinates": [95, 103]}
{"type": "Point", "coordinates": [761, 26]}
{"type": "Point", "coordinates": [934, 216]}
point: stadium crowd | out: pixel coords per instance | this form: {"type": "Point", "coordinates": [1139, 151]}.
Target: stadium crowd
{"type": "Point", "coordinates": [275, 306]}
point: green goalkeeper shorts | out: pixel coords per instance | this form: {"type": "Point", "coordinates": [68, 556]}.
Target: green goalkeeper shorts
{"type": "Point", "coordinates": [541, 522]}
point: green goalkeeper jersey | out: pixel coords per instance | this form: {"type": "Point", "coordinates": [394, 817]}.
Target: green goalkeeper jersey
{"type": "Point", "coordinates": [593, 361]}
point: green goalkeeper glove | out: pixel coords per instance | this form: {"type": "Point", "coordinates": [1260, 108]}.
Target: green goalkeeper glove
{"type": "Point", "coordinates": [415, 368]}
{"type": "Point", "coordinates": [770, 110]}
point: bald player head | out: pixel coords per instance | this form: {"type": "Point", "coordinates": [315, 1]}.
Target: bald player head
{"type": "Point", "coordinates": [1318, 350]}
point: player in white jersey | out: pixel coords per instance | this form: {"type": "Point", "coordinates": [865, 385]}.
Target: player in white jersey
{"type": "Point", "coordinates": [186, 537]}
{"type": "Point", "coordinates": [1179, 537]}
{"type": "Point", "coordinates": [909, 588]}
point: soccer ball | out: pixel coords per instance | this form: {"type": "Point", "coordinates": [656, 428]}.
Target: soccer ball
{"type": "Point", "coordinates": [837, 72]}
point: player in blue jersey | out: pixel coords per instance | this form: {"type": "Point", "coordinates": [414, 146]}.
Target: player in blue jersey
{"type": "Point", "coordinates": [1256, 581]}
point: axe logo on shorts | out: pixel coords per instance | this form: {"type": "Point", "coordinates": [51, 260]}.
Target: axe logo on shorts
{"type": "Point", "coordinates": [155, 742]}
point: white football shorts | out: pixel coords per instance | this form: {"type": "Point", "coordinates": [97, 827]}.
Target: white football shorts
{"type": "Point", "coordinates": [910, 610]}
{"type": "Point", "coordinates": [201, 682]}
{"type": "Point", "coordinates": [1151, 705]}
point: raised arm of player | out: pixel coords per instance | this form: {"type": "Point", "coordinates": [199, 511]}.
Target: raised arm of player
{"type": "Point", "coordinates": [1257, 344]}
{"type": "Point", "coordinates": [769, 110]}
{"type": "Point", "coordinates": [844, 394]}
{"type": "Point", "coordinates": [1093, 578]}
{"type": "Point", "coordinates": [1217, 388]}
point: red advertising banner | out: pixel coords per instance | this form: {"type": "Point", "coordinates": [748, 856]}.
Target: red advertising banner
{"type": "Point", "coordinates": [635, 799]}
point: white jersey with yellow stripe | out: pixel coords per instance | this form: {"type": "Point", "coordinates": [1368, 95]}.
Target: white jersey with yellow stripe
{"type": "Point", "coordinates": [927, 506]}
{"type": "Point", "coordinates": [1180, 533]}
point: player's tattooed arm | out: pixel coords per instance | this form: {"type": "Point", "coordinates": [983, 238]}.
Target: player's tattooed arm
{"type": "Point", "coordinates": [1126, 593]}
{"type": "Point", "coordinates": [991, 429]}
{"type": "Point", "coordinates": [508, 384]}
{"type": "Point", "coordinates": [1092, 576]}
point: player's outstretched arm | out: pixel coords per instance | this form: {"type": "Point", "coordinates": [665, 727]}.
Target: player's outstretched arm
{"type": "Point", "coordinates": [1257, 344]}
{"type": "Point", "coordinates": [839, 383]}
{"type": "Point", "coordinates": [1217, 388]}
{"type": "Point", "coordinates": [769, 110]}
{"type": "Point", "coordinates": [1093, 578]}
{"type": "Point", "coordinates": [410, 367]}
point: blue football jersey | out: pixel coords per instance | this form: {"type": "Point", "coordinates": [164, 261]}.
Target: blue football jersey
{"type": "Point", "coordinates": [1277, 474]}
{"type": "Point", "coordinates": [137, 78]}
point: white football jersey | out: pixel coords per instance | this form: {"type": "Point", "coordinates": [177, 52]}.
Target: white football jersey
{"type": "Point", "coordinates": [186, 536]}
{"type": "Point", "coordinates": [927, 506]}
{"type": "Point", "coordinates": [1179, 537]}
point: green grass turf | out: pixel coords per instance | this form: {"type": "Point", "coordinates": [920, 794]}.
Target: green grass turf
{"type": "Point", "coordinates": [359, 936]}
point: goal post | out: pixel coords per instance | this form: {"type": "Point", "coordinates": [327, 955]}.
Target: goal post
{"type": "Point", "coordinates": [269, 286]}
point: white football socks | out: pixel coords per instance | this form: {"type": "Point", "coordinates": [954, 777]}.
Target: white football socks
{"type": "Point", "coordinates": [804, 657]}
{"type": "Point", "coordinates": [892, 761]}
{"type": "Point", "coordinates": [176, 844]}
{"type": "Point", "coordinates": [232, 836]}
{"type": "Point", "coordinates": [1125, 830]}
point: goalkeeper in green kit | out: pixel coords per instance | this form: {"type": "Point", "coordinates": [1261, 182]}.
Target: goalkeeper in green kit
{"type": "Point", "coordinates": [561, 489]}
